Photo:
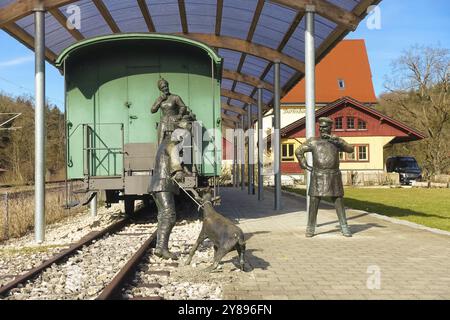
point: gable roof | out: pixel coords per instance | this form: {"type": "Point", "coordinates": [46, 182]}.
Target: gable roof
{"type": "Point", "coordinates": [348, 61]}
{"type": "Point", "coordinates": [300, 124]}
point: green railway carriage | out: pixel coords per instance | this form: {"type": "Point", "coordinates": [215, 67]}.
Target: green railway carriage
{"type": "Point", "coordinates": [110, 86]}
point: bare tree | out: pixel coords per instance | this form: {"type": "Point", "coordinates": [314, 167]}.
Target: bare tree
{"type": "Point", "coordinates": [418, 87]}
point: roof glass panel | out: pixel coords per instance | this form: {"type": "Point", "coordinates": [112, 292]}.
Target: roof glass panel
{"type": "Point", "coordinates": [237, 16]}
{"type": "Point", "coordinates": [254, 66]}
{"type": "Point", "coordinates": [201, 16]}
{"type": "Point", "coordinates": [92, 23]}
{"type": "Point", "coordinates": [348, 5]}
{"type": "Point", "coordinates": [295, 47]}
{"type": "Point", "coordinates": [286, 73]}
{"type": "Point", "coordinates": [244, 88]}
{"type": "Point", "coordinates": [227, 84]}
{"type": "Point", "coordinates": [165, 15]}
{"type": "Point", "coordinates": [230, 58]}
{"type": "Point", "coordinates": [127, 15]}
{"type": "Point", "coordinates": [56, 36]}
{"type": "Point", "coordinates": [273, 24]}
{"type": "Point", "coordinates": [237, 103]}
{"type": "Point", "coordinates": [267, 96]}
{"type": "Point", "coordinates": [27, 24]}
{"type": "Point", "coordinates": [4, 3]}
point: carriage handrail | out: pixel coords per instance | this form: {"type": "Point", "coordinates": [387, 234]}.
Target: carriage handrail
{"type": "Point", "coordinates": [88, 150]}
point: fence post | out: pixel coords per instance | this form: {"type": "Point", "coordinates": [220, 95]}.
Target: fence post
{"type": "Point", "coordinates": [6, 217]}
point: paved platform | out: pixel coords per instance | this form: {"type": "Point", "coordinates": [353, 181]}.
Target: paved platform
{"type": "Point", "coordinates": [382, 260]}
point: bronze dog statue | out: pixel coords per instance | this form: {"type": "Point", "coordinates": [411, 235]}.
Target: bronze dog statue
{"type": "Point", "coordinates": [223, 233]}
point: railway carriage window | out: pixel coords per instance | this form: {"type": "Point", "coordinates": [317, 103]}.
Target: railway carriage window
{"type": "Point", "coordinates": [362, 124]}
{"type": "Point", "coordinates": [287, 152]}
{"type": "Point", "coordinates": [350, 123]}
{"type": "Point", "coordinates": [362, 153]}
{"type": "Point", "coordinates": [338, 124]}
{"type": "Point", "coordinates": [341, 156]}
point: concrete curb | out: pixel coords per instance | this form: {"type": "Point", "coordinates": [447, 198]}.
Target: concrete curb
{"type": "Point", "coordinates": [381, 217]}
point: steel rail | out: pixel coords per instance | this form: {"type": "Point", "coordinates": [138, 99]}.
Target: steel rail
{"type": "Point", "coordinates": [112, 290]}
{"type": "Point", "coordinates": [86, 240]}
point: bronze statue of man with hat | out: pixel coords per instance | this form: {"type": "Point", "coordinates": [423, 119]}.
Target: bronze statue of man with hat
{"type": "Point", "coordinates": [172, 109]}
{"type": "Point", "coordinates": [168, 166]}
{"type": "Point", "coordinates": [326, 179]}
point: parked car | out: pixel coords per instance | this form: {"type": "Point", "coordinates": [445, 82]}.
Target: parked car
{"type": "Point", "coordinates": [406, 167]}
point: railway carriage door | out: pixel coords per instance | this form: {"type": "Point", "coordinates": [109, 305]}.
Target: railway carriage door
{"type": "Point", "coordinates": [142, 92]}
{"type": "Point", "coordinates": [109, 123]}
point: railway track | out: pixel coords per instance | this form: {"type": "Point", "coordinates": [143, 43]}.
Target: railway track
{"type": "Point", "coordinates": [85, 268]}
{"type": "Point", "coordinates": [117, 263]}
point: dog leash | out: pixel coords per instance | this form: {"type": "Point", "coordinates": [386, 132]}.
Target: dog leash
{"type": "Point", "coordinates": [185, 191]}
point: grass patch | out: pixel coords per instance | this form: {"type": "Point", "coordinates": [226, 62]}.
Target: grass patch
{"type": "Point", "coordinates": [429, 207]}
{"type": "Point", "coordinates": [30, 250]}
{"type": "Point", "coordinates": [20, 218]}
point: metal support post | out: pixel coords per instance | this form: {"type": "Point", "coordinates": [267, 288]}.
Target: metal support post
{"type": "Point", "coordinates": [39, 124]}
{"type": "Point", "coordinates": [310, 63]}
{"type": "Point", "coordinates": [260, 147]}
{"type": "Point", "coordinates": [277, 138]}
{"type": "Point", "coordinates": [250, 151]}
{"type": "Point", "coordinates": [242, 153]}
{"type": "Point", "coordinates": [235, 156]}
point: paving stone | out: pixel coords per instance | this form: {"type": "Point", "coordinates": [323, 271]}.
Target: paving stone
{"type": "Point", "coordinates": [412, 263]}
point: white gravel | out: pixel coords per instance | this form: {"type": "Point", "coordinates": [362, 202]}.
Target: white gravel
{"type": "Point", "coordinates": [21, 254]}
{"type": "Point", "coordinates": [185, 282]}
{"type": "Point", "coordinates": [84, 275]}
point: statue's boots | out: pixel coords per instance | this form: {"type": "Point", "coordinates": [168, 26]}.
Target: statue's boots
{"type": "Point", "coordinates": [312, 216]}
{"type": "Point", "coordinates": [340, 210]}
{"type": "Point", "coordinates": [346, 231]}
{"type": "Point", "coordinates": [309, 232]}
{"type": "Point", "coordinates": [162, 243]}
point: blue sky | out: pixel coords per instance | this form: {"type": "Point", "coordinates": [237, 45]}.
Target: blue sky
{"type": "Point", "coordinates": [403, 23]}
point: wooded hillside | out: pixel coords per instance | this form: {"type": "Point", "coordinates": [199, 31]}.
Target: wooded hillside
{"type": "Point", "coordinates": [17, 146]}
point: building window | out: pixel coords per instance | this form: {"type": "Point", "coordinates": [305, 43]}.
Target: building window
{"type": "Point", "coordinates": [287, 152]}
{"type": "Point", "coordinates": [350, 123]}
{"type": "Point", "coordinates": [341, 84]}
{"type": "Point", "coordinates": [351, 156]}
{"type": "Point", "coordinates": [362, 125]}
{"type": "Point", "coordinates": [362, 153]}
{"type": "Point", "coordinates": [338, 123]}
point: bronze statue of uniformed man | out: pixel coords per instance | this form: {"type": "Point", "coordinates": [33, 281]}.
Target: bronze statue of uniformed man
{"type": "Point", "coordinates": [163, 188]}
{"type": "Point", "coordinates": [172, 109]}
{"type": "Point", "coordinates": [326, 179]}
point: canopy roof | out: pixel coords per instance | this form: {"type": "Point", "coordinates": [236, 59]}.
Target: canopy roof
{"type": "Point", "coordinates": [249, 34]}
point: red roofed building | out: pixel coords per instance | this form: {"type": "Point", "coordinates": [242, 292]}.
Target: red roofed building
{"type": "Point", "coordinates": [344, 93]}
{"type": "Point", "coordinates": [344, 72]}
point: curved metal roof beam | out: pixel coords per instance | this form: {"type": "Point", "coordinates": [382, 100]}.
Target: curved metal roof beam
{"type": "Point", "coordinates": [326, 9]}
{"type": "Point", "coordinates": [245, 78]}
{"type": "Point", "coordinates": [22, 8]}
{"type": "Point", "coordinates": [230, 118]}
{"type": "Point", "coordinates": [229, 107]}
{"type": "Point", "coordinates": [238, 96]}
{"type": "Point", "coordinates": [240, 45]}
{"type": "Point", "coordinates": [17, 32]}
